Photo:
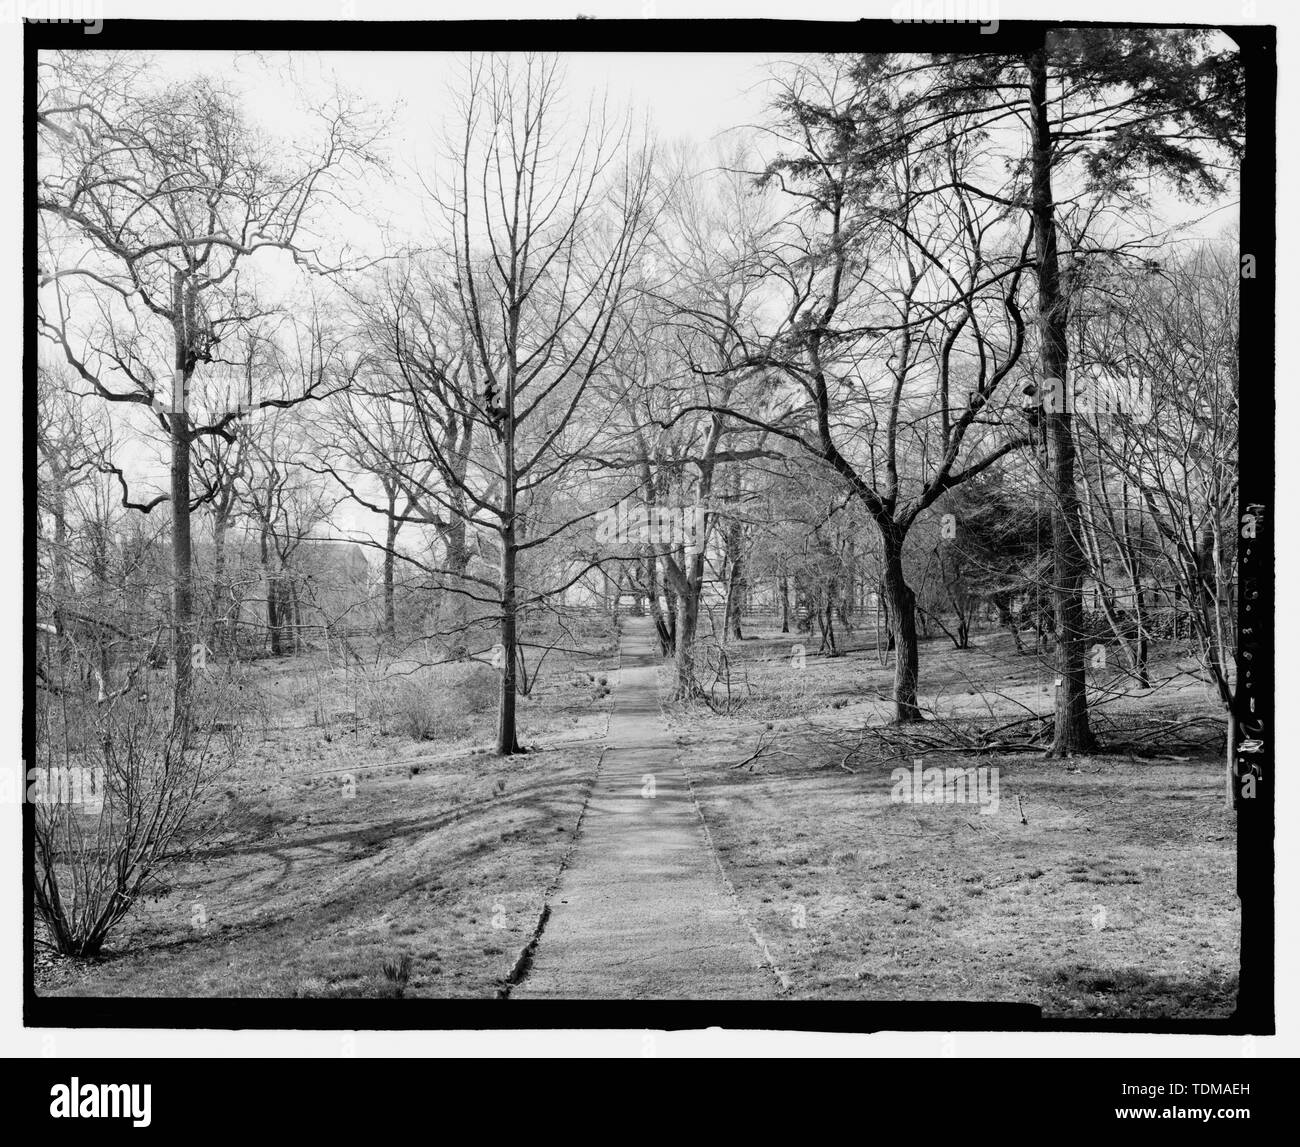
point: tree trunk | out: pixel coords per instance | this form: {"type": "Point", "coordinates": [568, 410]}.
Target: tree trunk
{"type": "Point", "coordinates": [1072, 732]}
{"type": "Point", "coordinates": [828, 628]}
{"type": "Point", "coordinates": [453, 609]}
{"type": "Point", "coordinates": [1002, 603]}
{"type": "Point", "coordinates": [688, 612]}
{"type": "Point", "coordinates": [62, 577]}
{"type": "Point", "coordinates": [902, 627]}
{"type": "Point", "coordinates": [272, 598]}
{"type": "Point", "coordinates": [736, 582]}
{"type": "Point", "coordinates": [274, 619]}
{"type": "Point", "coordinates": [685, 581]}
{"type": "Point", "coordinates": [1204, 581]}
{"type": "Point", "coordinates": [507, 740]}
{"type": "Point", "coordinates": [182, 552]}
{"type": "Point", "coordinates": [218, 578]}
{"type": "Point", "coordinates": [295, 615]}
{"type": "Point", "coordinates": [99, 572]}
{"type": "Point", "coordinates": [845, 600]}
{"type": "Point", "coordinates": [785, 605]}
{"type": "Point", "coordinates": [609, 595]}
{"type": "Point", "coordinates": [670, 603]}
{"type": "Point", "coordinates": [651, 568]}
{"type": "Point", "coordinates": [1142, 640]}
{"type": "Point", "coordinates": [389, 625]}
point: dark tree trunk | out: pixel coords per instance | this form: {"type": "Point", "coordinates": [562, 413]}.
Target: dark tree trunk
{"type": "Point", "coordinates": [670, 603]}
{"type": "Point", "coordinates": [1142, 638]}
{"type": "Point", "coordinates": [827, 623]}
{"type": "Point", "coordinates": [684, 659]}
{"type": "Point", "coordinates": [272, 599]}
{"type": "Point", "coordinates": [388, 627]}
{"type": "Point", "coordinates": [902, 627]}
{"type": "Point", "coordinates": [688, 582]}
{"type": "Point", "coordinates": [785, 605]}
{"type": "Point", "coordinates": [736, 582]}
{"type": "Point", "coordinates": [847, 599]}
{"type": "Point", "coordinates": [1072, 732]}
{"type": "Point", "coordinates": [651, 568]}
{"type": "Point", "coordinates": [507, 739]}
{"type": "Point", "coordinates": [273, 615]}
{"type": "Point", "coordinates": [182, 551]}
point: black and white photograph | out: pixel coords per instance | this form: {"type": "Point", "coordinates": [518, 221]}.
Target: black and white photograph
{"type": "Point", "coordinates": [620, 521]}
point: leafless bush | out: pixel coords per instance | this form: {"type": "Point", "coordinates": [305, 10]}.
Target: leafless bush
{"type": "Point", "coordinates": [417, 710]}
{"type": "Point", "coordinates": [121, 791]}
{"type": "Point", "coordinates": [438, 705]}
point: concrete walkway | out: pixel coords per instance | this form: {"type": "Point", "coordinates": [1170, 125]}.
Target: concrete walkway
{"type": "Point", "coordinates": [641, 912]}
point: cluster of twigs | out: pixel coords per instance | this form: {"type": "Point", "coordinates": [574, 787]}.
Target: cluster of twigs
{"type": "Point", "coordinates": [1144, 736]}
{"type": "Point", "coordinates": [881, 744]}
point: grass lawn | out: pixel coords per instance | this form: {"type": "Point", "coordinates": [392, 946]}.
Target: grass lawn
{"type": "Point", "coordinates": [339, 857]}
{"type": "Point", "coordinates": [1116, 899]}
{"type": "Point", "coordinates": [359, 833]}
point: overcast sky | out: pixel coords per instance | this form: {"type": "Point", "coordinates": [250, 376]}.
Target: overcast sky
{"type": "Point", "coordinates": [685, 96]}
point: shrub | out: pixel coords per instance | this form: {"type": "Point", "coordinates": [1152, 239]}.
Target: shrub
{"type": "Point", "coordinates": [437, 704]}
{"type": "Point", "coordinates": [474, 688]}
{"type": "Point", "coordinates": [416, 711]}
{"type": "Point", "coordinates": [119, 792]}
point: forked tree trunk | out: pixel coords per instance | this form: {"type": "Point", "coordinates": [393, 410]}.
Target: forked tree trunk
{"type": "Point", "coordinates": [688, 585]}
{"type": "Point", "coordinates": [651, 568]}
{"type": "Point", "coordinates": [826, 622]}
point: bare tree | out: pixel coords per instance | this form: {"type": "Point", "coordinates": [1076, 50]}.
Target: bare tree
{"type": "Point", "coordinates": [1103, 107]}
{"type": "Point", "coordinates": [899, 326]}
{"type": "Point", "coordinates": [543, 225]}
{"type": "Point", "coordinates": [152, 202]}
{"type": "Point", "coordinates": [1169, 440]}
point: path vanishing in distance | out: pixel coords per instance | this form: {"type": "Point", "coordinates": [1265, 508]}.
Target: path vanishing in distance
{"type": "Point", "coordinates": [641, 911]}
